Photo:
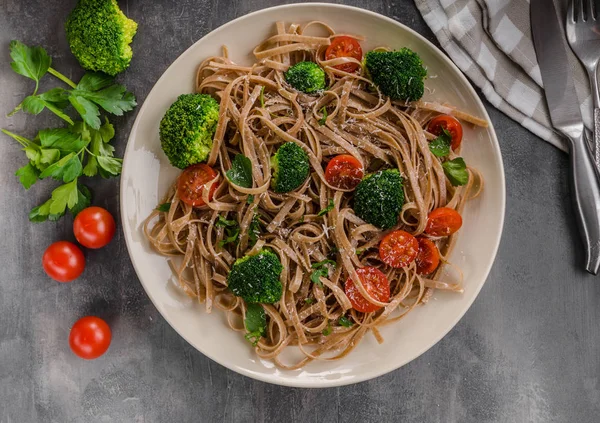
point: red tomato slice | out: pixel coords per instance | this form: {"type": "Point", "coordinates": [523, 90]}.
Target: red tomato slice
{"type": "Point", "coordinates": [344, 171]}
{"type": "Point", "coordinates": [443, 221]}
{"type": "Point", "coordinates": [192, 180]}
{"type": "Point", "coordinates": [428, 258]}
{"type": "Point", "coordinates": [344, 46]}
{"type": "Point", "coordinates": [375, 283]}
{"type": "Point", "coordinates": [63, 261]}
{"type": "Point", "coordinates": [449, 123]}
{"type": "Point", "coordinates": [90, 337]}
{"type": "Point", "coordinates": [398, 249]}
{"type": "Point", "coordinates": [94, 227]}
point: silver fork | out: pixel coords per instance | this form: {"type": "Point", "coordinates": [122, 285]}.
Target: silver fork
{"type": "Point", "coordinates": [583, 33]}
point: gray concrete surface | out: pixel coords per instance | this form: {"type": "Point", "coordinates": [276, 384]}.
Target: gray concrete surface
{"type": "Point", "coordinates": [527, 351]}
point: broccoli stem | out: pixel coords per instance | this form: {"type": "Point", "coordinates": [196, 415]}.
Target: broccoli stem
{"type": "Point", "coordinates": [63, 78]}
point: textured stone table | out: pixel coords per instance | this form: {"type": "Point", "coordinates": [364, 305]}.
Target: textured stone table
{"type": "Point", "coordinates": [527, 350]}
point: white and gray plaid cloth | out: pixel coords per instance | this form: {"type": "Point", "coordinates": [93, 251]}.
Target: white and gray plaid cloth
{"type": "Point", "coordinates": [490, 41]}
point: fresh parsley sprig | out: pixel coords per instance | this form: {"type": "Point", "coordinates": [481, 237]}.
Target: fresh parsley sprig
{"type": "Point", "coordinates": [60, 154]}
{"type": "Point", "coordinates": [94, 90]}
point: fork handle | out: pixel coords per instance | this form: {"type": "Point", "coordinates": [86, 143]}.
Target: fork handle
{"type": "Point", "coordinates": [585, 186]}
{"type": "Point", "coordinates": [596, 144]}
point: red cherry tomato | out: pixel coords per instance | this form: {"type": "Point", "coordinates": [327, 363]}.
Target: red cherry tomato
{"type": "Point", "coordinates": [428, 258]}
{"type": "Point", "coordinates": [344, 171]}
{"type": "Point", "coordinates": [63, 261]}
{"type": "Point", "coordinates": [398, 249]}
{"type": "Point", "coordinates": [443, 221]}
{"type": "Point", "coordinates": [90, 337]}
{"type": "Point", "coordinates": [344, 46]}
{"type": "Point", "coordinates": [375, 283]}
{"type": "Point", "coordinates": [192, 180]}
{"type": "Point", "coordinates": [451, 124]}
{"type": "Point", "coordinates": [94, 227]}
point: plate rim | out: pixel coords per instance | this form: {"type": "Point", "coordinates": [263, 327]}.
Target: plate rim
{"type": "Point", "coordinates": [301, 382]}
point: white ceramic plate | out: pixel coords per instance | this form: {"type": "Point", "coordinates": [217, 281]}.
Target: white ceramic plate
{"type": "Point", "coordinates": [147, 175]}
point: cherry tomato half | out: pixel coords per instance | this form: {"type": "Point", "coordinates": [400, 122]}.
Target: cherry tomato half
{"type": "Point", "coordinates": [63, 261]}
{"type": "Point", "coordinates": [94, 227]}
{"type": "Point", "coordinates": [344, 46]}
{"type": "Point", "coordinates": [443, 221]}
{"type": "Point", "coordinates": [428, 258]}
{"type": "Point", "coordinates": [398, 249]}
{"type": "Point", "coordinates": [344, 171]}
{"type": "Point", "coordinates": [192, 181]}
{"type": "Point", "coordinates": [90, 337]}
{"type": "Point", "coordinates": [375, 283]}
{"type": "Point", "coordinates": [449, 123]}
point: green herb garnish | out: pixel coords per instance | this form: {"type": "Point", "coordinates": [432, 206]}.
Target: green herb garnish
{"type": "Point", "coordinates": [456, 171]}
{"type": "Point", "coordinates": [323, 119]}
{"type": "Point", "coordinates": [440, 147]}
{"type": "Point", "coordinates": [327, 209]}
{"type": "Point", "coordinates": [241, 171]}
{"type": "Point", "coordinates": [321, 270]}
{"type": "Point", "coordinates": [345, 322]}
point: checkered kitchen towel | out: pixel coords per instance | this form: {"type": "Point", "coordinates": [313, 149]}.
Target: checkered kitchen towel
{"type": "Point", "coordinates": [490, 41]}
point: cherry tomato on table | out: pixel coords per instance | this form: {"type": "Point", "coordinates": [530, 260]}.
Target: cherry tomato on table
{"type": "Point", "coordinates": [375, 283]}
{"type": "Point", "coordinates": [398, 249]}
{"type": "Point", "coordinates": [443, 221]}
{"type": "Point", "coordinates": [428, 258]}
{"type": "Point", "coordinates": [63, 261]}
{"type": "Point", "coordinates": [344, 46]}
{"type": "Point", "coordinates": [451, 124]}
{"type": "Point", "coordinates": [192, 181]}
{"type": "Point", "coordinates": [344, 172]}
{"type": "Point", "coordinates": [94, 227]}
{"type": "Point", "coordinates": [90, 337]}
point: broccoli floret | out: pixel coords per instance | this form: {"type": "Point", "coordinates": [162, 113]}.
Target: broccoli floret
{"type": "Point", "coordinates": [379, 198]}
{"type": "Point", "coordinates": [187, 129]}
{"type": "Point", "coordinates": [307, 77]}
{"type": "Point", "coordinates": [99, 35]}
{"type": "Point", "coordinates": [290, 168]}
{"type": "Point", "coordinates": [398, 74]}
{"type": "Point", "coordinates": [256, 278]}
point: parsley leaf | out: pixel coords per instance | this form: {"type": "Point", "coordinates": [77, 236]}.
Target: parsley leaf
{"type": "Point", "coordinates": [241, 171]}
{"type": "Point", "coordinates": [255, 322]}
{"type": "Point", "coordinates": [345, 322]}
{"type": "Point", "coordinates": [250, 199]}
{"type": "Point", "coordinates": [323, 120]}
{"type": "Point", "coordinates": [326, 209]}
{"type": "Point", "coordinates": [309, 300]}
{"type": "Point", "coordinates": [232, 231]}
{"type": "Point", "coordinates": [28, 175]}
{"type": "Point", "coordinates": [327, 330]}
{"type": "Point", "coordinates": [72, 195]}
{"type": "Point", "coordinates": [63, 139]}
{"type": "Point", "coordinates": [31, 62]}
{"type": "Point", "coordinates": [440, 147]}
{"type": "Point", "coordinates": [68, 168]}
{"type": "Point", "coordinates": [164, 207]}
{"type": "Point", "coordinates": [321, 270]}
{"type": "Point", "coordinates": [456, 171]}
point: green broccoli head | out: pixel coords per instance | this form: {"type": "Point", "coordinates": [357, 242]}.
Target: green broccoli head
{"type": "Point", "coordinates": [256, 278]}
{"type": "Point", "coordinates": [290, 168]}
{"type": "Point", "coordinates": [307, 77]}
{"type": "Point", "coordinates": [379, 198]}
{"type": "Point", "coordinates": [99, 35]}
{"type": "Point", "coordinates": [398, 74]}
{"type": "Point", "coordinates": [187, 129]}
